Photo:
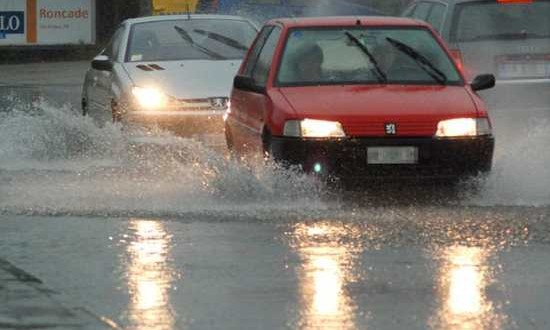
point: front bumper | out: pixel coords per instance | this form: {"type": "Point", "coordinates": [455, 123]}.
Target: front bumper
{"type": "Point", "coordinates": [181, 122]}
{"type": "Point", "coordinates": [437, 158]}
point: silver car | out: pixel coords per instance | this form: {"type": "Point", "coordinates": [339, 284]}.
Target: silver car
{"type": "Point", "coordinates": [172, 71]}
{"type": "Point", "coordinates": [510, 38]}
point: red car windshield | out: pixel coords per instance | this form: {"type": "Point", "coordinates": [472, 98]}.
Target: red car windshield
{"type": "Point", "coordinates": [352, 55]}
{"type": "Point", "coordinates": [486, 20]}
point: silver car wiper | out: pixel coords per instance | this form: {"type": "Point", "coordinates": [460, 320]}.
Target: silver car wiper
{"type": "Point", "coordinates": [420, 59]}
{"type": "Point", "coordinates": [379, 73]}
{"type": "Point", "coordinates": [185, 36]}
{"type": "Point", "coordinates": [223, 39]}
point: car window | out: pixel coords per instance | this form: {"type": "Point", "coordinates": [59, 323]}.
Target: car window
{"type": "Point", "coordinates": [421, 11]}
{"type": "Point", "coordinates": [183, 39]}
{"type": "Point", "coordinates": [314, 57]}
{"type": "Point", "coordinates": [255, 52]}
{"type": "Point", "coordinates": [261, 69]}
{"type": "Point", "coordinates": [490, 20]}
{"type": "Point", "coordinates": [437, 13]}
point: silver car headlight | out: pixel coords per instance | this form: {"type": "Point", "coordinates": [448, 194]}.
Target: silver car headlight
{"type": "Point", "coordinates": [149, 98]}
{"type": "Point", "coordinates": [463, 127]}
{"type": "Point", "coordinates": [313, 128]}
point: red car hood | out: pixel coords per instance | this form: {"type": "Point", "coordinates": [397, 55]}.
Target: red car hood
{"type": "Point", "coordinates": [364, 110]}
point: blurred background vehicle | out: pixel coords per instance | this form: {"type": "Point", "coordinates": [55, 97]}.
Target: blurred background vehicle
{"type": "Point", "coordinates": [171, 71]}
{"type": "Point", "coordinates": [510, 38]}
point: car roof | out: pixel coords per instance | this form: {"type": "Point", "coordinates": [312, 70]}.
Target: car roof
{"type": "Point", "coordinates": [346, 21]}
{"type": "Point", "coordinates": [160, 18]}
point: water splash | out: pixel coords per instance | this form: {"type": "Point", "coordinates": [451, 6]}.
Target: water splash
{"type": "Point", "coordinates": [521, 175]}
{"type": "Point", "coordinates": [54, 161]}
{"type": "Point", "coordinates": [45, 132]}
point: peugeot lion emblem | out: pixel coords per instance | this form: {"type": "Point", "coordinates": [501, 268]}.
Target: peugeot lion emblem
{"type": "Point", "coordinates": [391, 129]}
{"type": "Point", "coordinates": [218, 103]}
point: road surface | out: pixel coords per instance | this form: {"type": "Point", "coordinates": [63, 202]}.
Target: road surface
{"type": "Point", "coordinates": [102, 231]}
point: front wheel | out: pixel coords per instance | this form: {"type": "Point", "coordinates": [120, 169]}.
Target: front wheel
{"type": "Point", "coordinates": [229, 139]}
{"type": "Point", "coordinates": [267, 147]}
{"type": "Point", "coordinates": [85, 104]}
{"type": "Point", "coordinates": [230, 144]}
{"type": "Point", "coordinates": [116, 112]}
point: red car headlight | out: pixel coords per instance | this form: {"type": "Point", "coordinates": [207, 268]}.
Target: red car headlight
{"type": "Point", "coordinates": [463, 127]}
{"type": "Point", "coordinates": [314, 128]}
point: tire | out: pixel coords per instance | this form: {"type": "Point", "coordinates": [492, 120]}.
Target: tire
{"type": "Point", "coordinates": [487, 168]}
{"type": "Point", "coordinates": [232, 153]}
{"type": "Point", "coordinates": [229, 140]}
{"type": "Point", "coordinates": [84, 106]}
{"type": "Point", "coordinates": [266, 145]}
{"type": "Point", "coordinates": [115, 111]}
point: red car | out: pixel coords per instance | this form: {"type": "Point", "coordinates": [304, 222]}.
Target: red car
{"type": "Point", "coordinates": [368, 96]}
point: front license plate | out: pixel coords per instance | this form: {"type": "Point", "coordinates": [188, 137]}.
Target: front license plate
{"type": "Point", "coordinates": [392, 155]}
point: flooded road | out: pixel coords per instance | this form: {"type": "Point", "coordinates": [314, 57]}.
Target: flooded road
{"type": "Point", "coordinates": [382, 269]}
{"type": "Point", "coordinates": [161, 232]}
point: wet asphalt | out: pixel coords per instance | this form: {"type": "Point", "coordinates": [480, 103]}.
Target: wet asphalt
{"type": "Point", "coordinates": [148, 242]}
{"type": "Point", "coordinates": [379, 268]}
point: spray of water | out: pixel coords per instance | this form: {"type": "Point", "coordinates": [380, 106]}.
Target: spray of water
{"type": "Point", "coordinates": [521, 175]}
{"type": "Point", "coordinates": [42, 132]}
{"type": "Point", "coordinates": [54, 161]}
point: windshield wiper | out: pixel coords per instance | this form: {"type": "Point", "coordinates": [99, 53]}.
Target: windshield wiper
{"type": "Point", "coordinates": [223, 39]}
{"type": "Point", "coordinates": [423, 62]}
{"type": "Point", "coordinates": [379, 73]}
{"type": "Point", "coordinates": [185, 36]}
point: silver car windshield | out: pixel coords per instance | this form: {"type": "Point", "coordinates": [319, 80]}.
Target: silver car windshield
{"type": "Point", "coordinates": [485, 20]}
{"type": "Point", "coordinates": [195, 39]}
{"type": "Point", "coordinates": [351, 55]}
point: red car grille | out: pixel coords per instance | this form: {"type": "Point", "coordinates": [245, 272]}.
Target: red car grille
{"type": "Point", "coordinates": [378, 128]}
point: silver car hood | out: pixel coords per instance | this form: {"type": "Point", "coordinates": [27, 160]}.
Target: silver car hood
{"type": "Point", "coordinates": [186, 79]}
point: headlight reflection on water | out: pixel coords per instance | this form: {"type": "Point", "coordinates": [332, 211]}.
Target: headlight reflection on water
{"type": "Point", "coordinates": [328, 295]}
{"type": "Point", "coordinates": [326, 271]}
{"type": "Point", "coordinates": [149, 277]}
{"type": "Point", "coordinates": [464, 277]}
{"type": "Point", "coordinates": [466, 283]}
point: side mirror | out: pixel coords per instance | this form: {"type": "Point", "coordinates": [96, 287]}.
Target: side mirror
{"type": "Point", "coordinates": [102, 63]}
{"type": "Point", "coordinates": [247, 84]}
{"type": "Point", "coordinates": [484, 81]}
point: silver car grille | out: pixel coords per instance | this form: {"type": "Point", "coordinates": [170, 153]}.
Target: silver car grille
{"type": "Point", "coordinates": [213, 103]}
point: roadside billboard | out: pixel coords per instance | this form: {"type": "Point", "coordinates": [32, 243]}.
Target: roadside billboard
{"type": "Point", "coordinates": [166, 7]}
{"type": "Point", "coordinates": [47, 22]}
